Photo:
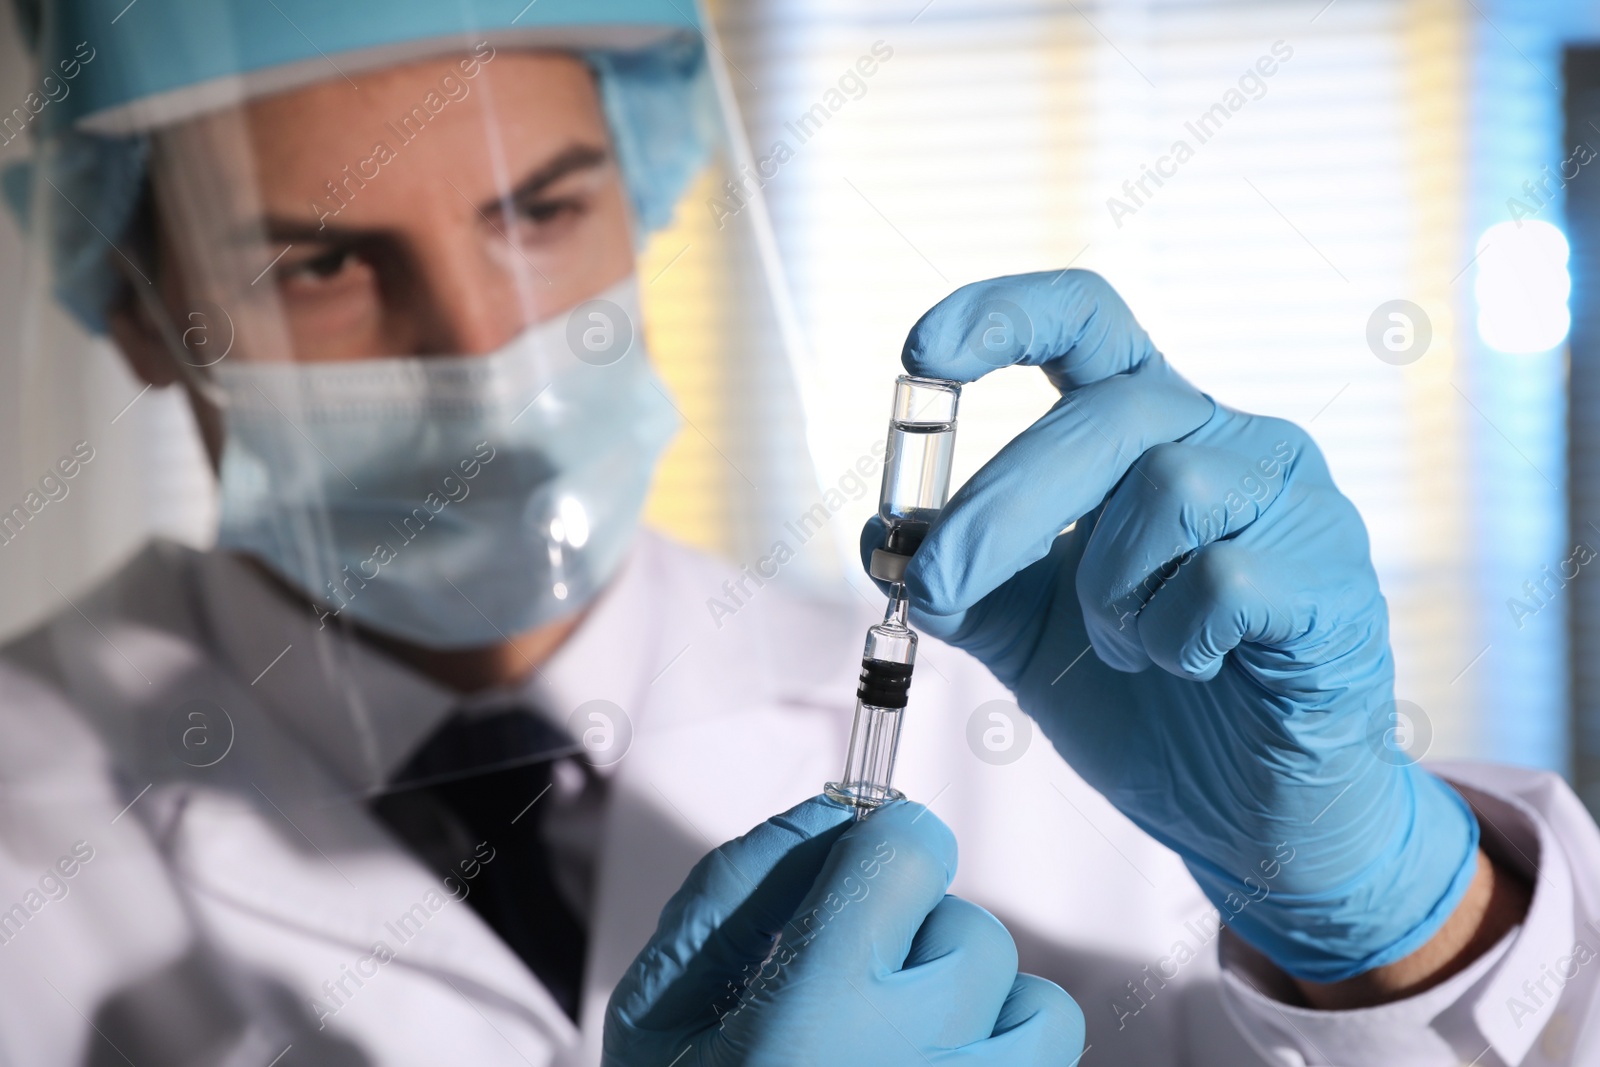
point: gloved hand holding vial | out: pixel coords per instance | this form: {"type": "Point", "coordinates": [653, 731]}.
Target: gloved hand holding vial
{"type": "Point", "coordinates": [916, 483]}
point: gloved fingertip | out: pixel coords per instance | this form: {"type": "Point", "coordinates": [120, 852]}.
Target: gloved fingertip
{"type": "Point", "coordinates": [936, 361]}
{"type": "Point", "coordinates": [1202, 672]}
{"type": "Point", "coordinates": [1189, 661]}
{"type": "Point", "coordinates": [1074, 1027]}
{"type": "Point", "coordinates": [1119, 651]}
{"type": "Point", "coordinates": [873, 535]}
{"type": "Point", "coordinates": [812, 816]}
{"type": "Point", "coordinates": [763, 845]}
{"type": "Point", "coordinates": [906, 824]}
{"type": "Point", "coordinates": [756, 870]}
{"type": "Point", "coordinates": [940, 344]}
{"type": "Point", "coordinates": [1048, 1014]}
{"type": "Point", "coordinates": [929, 585]}
{"type": "Point", "coordinates": [1116, 648]}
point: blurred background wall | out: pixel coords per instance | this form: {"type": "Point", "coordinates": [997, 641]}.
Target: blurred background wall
{"type": "Point", "coordinates": [1387, 157]}
{"type": "Point", "coordinates": [1366, 169]}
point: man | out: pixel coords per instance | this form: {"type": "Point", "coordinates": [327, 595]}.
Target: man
{"type": "Point", "coordinates": [321, 793]}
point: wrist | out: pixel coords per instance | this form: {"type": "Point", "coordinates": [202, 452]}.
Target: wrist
{"type": "Point", "coordinates": [1496, 901]}
{"type": "Point", "coordinates": [1418, 848]}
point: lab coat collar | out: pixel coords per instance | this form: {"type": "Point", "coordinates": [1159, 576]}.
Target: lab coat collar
{"type": "Point", "coordinates": [1512, 1011]}
{"type": "Point", "coordinates": [364, 712]}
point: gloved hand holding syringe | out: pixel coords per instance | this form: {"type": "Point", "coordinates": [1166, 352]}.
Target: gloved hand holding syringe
{"type": "Point", "coordinates": [916, 483]}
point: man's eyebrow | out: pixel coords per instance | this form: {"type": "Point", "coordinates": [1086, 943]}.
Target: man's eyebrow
{"type": "Point", "coordinates": [571, 159]}
{"type": "Point", "coordinates": [574, 158]}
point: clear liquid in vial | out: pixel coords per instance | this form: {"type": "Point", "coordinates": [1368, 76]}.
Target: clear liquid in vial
{"type": "Point", "coordinates": [916, 479]}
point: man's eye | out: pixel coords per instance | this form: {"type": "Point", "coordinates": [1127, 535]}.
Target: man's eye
{"type": "Point", "coordinates": [319, 268]}
{"type": "Point", "coordinates": [547, 211]}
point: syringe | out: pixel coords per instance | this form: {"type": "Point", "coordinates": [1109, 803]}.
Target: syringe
{"type": "Point", "coordinates": [916, 483]}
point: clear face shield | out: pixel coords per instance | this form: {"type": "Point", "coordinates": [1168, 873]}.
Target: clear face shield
{"type": "Point", "coordinates": [425, 298]}
{"type": "Point", "coordinates": [453, 347]}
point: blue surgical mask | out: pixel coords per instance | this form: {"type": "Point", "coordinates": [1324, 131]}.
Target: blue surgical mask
{"type": "Point", "coordinates": [452, 501]}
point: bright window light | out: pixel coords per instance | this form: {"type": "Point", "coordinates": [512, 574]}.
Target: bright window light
{"type": "Point", "coordinates": [1522, 287]}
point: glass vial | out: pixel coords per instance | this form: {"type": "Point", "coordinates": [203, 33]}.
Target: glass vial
{"type": "Point", "coordinates": [916, 468]}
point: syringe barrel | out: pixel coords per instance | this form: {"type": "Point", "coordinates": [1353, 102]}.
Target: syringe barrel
{"type": "Point", "coordinates": [874, 737]}
{"type": "Point", "coordinates": [869, 767]}
{"type": "Point", "coordinates": [916, 464]}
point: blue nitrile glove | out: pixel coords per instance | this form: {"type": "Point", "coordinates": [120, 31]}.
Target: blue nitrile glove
{"type": "Point", "coordinates": [1240, 683]}
{"type": "Point", "coordinates": [812, 940]}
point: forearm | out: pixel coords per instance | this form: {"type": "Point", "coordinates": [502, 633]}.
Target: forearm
{"type": "Point", "coordinates": [1497, 900]}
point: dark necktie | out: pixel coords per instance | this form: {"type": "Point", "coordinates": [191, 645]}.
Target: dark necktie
{"type": "Point", "coordinates": [473, 781]}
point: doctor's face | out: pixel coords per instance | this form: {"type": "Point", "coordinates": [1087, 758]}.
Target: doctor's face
{"type": "Point", "coordinates": [439, 209]}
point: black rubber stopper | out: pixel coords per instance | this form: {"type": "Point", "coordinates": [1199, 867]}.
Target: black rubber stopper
{"type": "Point", "coordinates": [906, 538]}
{"type": "Point", "coordinates": [884, 684]}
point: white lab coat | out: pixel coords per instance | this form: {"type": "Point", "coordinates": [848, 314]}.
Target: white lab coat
{"type": "Point", "coordinates": [231, 913]}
